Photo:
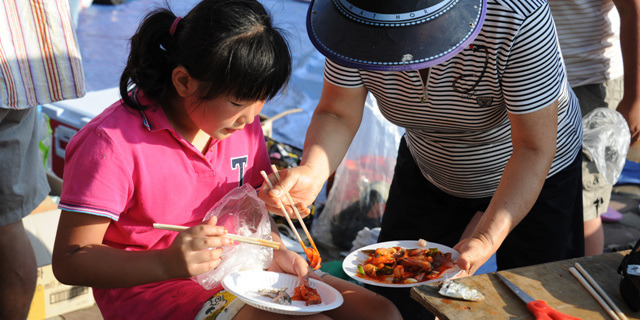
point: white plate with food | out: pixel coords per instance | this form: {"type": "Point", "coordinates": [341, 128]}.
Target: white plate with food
{"type": "Point", "coordinates": [272, 291]}
{"type": "Point", "coordinates": [414, 269]}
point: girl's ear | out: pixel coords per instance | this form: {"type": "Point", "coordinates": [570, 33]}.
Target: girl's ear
{"type": "Point", "coordinates": [185, 85]}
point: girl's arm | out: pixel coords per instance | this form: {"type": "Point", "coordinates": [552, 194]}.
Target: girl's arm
{"type": "Point", "coordinates": [80, 258]}
{"type": "Point", "coordinates": [534, 145]}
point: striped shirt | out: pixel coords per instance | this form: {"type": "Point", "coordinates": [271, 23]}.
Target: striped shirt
{"type": "Point", "coordinates": [39, 56]}
{"type": "Point", "coordinates": [457, 126]}
{"type": "Point", "coordinates": [589, 34]}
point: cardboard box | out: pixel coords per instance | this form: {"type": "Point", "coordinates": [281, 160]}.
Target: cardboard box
{"type": "Point", "coordinates": [51, 298]}
{"type": "Point", "coordinates": [69, 116]}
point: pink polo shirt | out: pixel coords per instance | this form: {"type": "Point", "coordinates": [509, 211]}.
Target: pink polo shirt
{"type": "Point", "coordinates": [132, 167]}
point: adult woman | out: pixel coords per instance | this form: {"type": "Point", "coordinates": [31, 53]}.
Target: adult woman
{"type": "Point", "coordinates": [490, 161]}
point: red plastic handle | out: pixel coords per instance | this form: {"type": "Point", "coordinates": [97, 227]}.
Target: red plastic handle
{"type": "Point", "coordinates": [542, 311]}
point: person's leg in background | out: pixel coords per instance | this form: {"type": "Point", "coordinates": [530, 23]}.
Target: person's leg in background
{"type": "Point", "coordinates": [23, 186]}
{"type": "Point", "coordinates": [17, 272]}
{"type": "Point", "coordinates": [596, 194]}
{"type": "Point", "coordinates": [596, 190]}
{"type": "Point", "coordinates": [593, 237]}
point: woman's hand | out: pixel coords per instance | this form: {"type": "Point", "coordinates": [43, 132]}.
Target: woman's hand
{"type": "Point", "coordinates": [302, 185]}
{"type": "Point", "coordinates": [287, 261]}
{"type": "Point", "coordinates": [474, 252]}
{"type": "Point", "coordinates": [196, 250]}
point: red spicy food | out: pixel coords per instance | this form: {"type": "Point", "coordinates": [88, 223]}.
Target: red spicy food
{"type": "Point", "coordinates": [307, 294]}
{"type": "Point", "coordinates": [314, 258]}
{"type": "Point", "coordinates": [399, 265]}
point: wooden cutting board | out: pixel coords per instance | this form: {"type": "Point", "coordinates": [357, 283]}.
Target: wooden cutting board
{"type": "Point", "coordinates": [551, 282]}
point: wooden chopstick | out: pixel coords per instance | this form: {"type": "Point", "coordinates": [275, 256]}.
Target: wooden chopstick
{"type": "Point", "coordinates": [592, 291]}
{"type": "Point", "coordinates": [600, 291]}
{"type": "Point", "coordinates": [596, 291]}
{"type": "Point", "coordinates": [234, 237]}
{"type": "Point", "coordinates": [295, 210]}
{"type": "Point", "coordinates": [284, 211]}
{"type": "Point", "coordinates": [170, 227]}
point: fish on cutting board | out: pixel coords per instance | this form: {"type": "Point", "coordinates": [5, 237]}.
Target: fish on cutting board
{"type": "Point", "coordinates": [454, 289]}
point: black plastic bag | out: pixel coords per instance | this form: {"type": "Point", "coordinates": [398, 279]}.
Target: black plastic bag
{"type": "Point", "coordinates": [630, 284]}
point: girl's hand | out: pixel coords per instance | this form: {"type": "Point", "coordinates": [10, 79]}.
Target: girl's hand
{"type": "Point", "coordinates": [196, 250]}
{"type": "Point", "coordinates": [302, 185]}
{"type": "Point", "coordinates": [287, 261]}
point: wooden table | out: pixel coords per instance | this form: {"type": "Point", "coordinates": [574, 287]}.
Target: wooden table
{"type": "Point", "coordinates": [551, 282]}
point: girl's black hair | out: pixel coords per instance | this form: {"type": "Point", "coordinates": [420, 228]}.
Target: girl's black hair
{"type": "Point", "coordinates": [230, 45]}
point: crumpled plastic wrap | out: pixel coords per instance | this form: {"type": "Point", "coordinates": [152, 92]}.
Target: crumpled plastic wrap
{"type": "Point", "coordinates": [244, 214]}
{"type": "Point", "coordinates": [606, 139]}
{"type": "Point", "coordinates": [365, 237]}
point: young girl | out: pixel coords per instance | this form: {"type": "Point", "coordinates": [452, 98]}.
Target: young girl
{"type": "Point", "coordinates": [185, 133]}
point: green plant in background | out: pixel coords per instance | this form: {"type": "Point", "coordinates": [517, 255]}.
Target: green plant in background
{"type": "Point", "coordinates": [44, 138]}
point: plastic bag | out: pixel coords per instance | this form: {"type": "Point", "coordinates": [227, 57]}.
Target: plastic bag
{"type": "Point", "coordinates": [242, 213]}
{"type": "Point", "coordinates": [365, 237]}
{"type": "Point", "coordinates": [606, 139]}
{"type": "Point", "coordinates": [358, 195]}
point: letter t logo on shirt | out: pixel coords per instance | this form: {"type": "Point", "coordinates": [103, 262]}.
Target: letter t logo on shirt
{"type": "Point", "coordinates": [239, 163]}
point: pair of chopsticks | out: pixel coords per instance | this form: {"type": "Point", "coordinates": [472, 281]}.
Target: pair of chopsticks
{"type": "Point", "coordinates": [234, 237]}
{"type": "Point", "coordinates": [295, 210]}
{"type": "Point", "coordinates": [596, 291]}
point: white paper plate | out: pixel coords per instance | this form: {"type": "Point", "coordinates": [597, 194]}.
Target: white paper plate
{"type": "Point", "coordinates": [245, 285]}
{"type": "Point", "coordinates": [350, 263]}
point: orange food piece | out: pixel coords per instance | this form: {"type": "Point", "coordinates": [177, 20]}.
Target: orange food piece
{"type": "Point", "coordinates": [307, 294]}
{"type": "Point", "coordinates": [314, 258]}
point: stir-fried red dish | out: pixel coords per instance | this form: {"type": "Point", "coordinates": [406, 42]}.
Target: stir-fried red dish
{"type": "Point", "coordinates": [307, 294]}
{"type": "Point", "coordinates": [314, 258]}
{"type": "Point", "coordinates": [399, 265]}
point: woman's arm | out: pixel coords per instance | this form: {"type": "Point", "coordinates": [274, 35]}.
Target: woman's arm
{"type": "Point", "coordinates": [534, 146]}
{"type": "Point", "coordinates": [335, 122]}
{"type": "Point", "coordinates": [80, 258]}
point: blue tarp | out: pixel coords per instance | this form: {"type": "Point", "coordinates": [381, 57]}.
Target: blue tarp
{"type": "Point", "coordinates": [630, 173]}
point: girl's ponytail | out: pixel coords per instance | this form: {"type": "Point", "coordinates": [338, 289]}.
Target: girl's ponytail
{"type": "Point", "coordinates": [150, 59]}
